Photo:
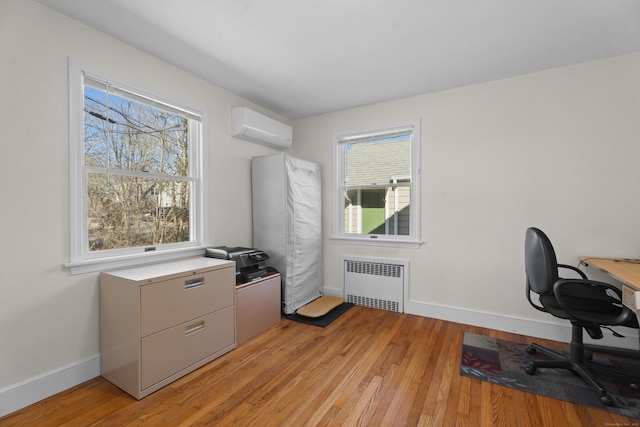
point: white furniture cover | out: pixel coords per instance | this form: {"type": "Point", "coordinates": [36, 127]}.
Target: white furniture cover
{"type": "Point", "coordinates": [287, 224]}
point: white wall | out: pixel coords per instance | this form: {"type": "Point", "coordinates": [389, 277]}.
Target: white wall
{"type": "Point", "coordinates": [49, 319]}
{"type": "Point", "coordinates": [557, 149]}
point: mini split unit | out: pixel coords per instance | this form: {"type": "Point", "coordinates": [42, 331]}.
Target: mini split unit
{"type": "Point", "coordinates": [255, 127]}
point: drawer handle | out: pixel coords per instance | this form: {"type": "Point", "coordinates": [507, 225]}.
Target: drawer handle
{"type": "Point", "coordinates": [188, 284]}
{"type": "Point", "coordinates": [193, 328]}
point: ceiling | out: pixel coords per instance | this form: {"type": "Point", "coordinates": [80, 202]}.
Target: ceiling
{"type": "Point", "coordinates": [300, 58]}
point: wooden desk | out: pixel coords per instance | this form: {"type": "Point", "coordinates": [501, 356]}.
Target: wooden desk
{"type": "Point", "coordinates": [624, 270]}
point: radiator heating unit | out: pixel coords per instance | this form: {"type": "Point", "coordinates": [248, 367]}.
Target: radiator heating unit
{"type": "Point", "coordinates": [375, 283]}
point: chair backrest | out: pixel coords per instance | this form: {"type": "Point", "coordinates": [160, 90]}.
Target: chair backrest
{"type": "Point", "coordinates": [540, 262]}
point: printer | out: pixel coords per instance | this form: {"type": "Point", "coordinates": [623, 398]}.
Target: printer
{"type": "Point", "coordinates": [250, 263]}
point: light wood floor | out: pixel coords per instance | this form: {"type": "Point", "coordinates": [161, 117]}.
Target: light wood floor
{"type": "Point", "coordinates": [368, 368]}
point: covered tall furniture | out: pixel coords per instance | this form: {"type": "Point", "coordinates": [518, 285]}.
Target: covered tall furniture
{"type": "Point", "coordinates": [287, 224]}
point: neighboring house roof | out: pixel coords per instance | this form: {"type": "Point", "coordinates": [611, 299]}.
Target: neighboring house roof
{"type": "Point", "coordinates": [377, 162]}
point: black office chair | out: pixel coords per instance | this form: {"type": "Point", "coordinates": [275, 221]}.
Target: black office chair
{"type": "Point", "coordinates": [587, 304]}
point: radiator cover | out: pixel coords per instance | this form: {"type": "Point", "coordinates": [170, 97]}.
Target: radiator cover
{"type": "Point", "coordinates": [375, 283]}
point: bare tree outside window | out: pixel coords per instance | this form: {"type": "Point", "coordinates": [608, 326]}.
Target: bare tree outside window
{"type": "Point", "coordinates": [136, 159]}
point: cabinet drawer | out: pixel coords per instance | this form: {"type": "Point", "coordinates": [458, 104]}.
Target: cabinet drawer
{"type": "Point", "coordinates": [172, 302]}
{"type": "Point", "coordinates": [170, 351]}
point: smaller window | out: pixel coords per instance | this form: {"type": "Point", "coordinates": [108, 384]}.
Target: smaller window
{"type": "Point", "coordinates": [377, 185]}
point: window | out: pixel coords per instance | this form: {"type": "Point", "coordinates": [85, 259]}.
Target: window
{"type": "Point", "coordinates": [378, 185]}
{"type": "Point", "coordinates": [136, 181]}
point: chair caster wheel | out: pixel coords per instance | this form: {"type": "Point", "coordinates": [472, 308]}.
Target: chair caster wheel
{"type": "Point", "coordinates": [634, 386]}
{"type": "Point", "coordinates": [531, 350]}
{"type": "Point", "coordinates": [530, 369]}
{"type": "Point", "coordinates": [606, 400]}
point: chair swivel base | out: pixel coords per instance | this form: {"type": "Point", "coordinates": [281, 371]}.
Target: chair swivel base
{"type": "Point", "coordinates": [616, 351]}
{"type": "Point", "coordinates": [563, 362]}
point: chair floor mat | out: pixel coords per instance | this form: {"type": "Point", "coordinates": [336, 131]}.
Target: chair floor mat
{"type": "Point", "coordinates": [502, 362]}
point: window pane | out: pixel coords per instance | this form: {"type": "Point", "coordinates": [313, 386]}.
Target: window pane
{"type": "Point", "coordinates": [377, 162]}
{"type": "Point", "coordinates": [378, 185]}
{"type": "Point", "coordinates": [123, 134]}
{"type": "Point", "coordinates": [378, 210]}
{"type": "Point", "coordinates": [95, 128]}
{"type": "Point", "coordinates": [126, 211]}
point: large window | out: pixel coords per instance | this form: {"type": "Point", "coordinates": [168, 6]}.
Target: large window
{"type": "Point", "coordinates": [136, 179]}
{"type": "Point", "coordinates": [377, 185]}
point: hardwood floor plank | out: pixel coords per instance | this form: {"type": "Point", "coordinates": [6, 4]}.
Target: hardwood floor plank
{"type": "Point", "coordinates": [421, 382]}
{"type": "Point", "coordinates": [463, 404]}
{"type": "Point", "coordinates": [435, 405]}
{"type": "Point", "coordinates": [369, 367]}
{"type": "Point", "coordinates": [360, 413]}
{"type": "Point", "coordinates": [486, 409]}
{"type": "Point", "coordinates": [405, 379]}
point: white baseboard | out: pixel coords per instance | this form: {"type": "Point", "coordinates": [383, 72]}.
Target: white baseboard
{"type": "Point", "coordinates": [24, 394]}
{"type": "Point", "coordinates": [517, 325]}
{"type": "Point", "coordinates": [33, 390]}
{"type": "Point", "coordinates": [527, 327]}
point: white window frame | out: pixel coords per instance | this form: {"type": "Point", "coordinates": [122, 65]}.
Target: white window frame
{"type": "Point", "coordinates": [81, 260]}
{"type": "Point", "coordinates": [412, 240]}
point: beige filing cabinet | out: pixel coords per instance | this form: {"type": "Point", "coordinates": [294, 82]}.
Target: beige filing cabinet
{"type": "Point", "coordinates": [162, 321]}
{"type": "Point", "coordinates": [258, 306]}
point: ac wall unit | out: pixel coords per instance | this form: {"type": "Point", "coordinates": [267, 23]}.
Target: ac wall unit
{"type": "Point", "coordinates": [255, 127]}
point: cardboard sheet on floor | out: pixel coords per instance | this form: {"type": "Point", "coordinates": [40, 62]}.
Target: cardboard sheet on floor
{"type": "Point", "coordinates": [319, 306]}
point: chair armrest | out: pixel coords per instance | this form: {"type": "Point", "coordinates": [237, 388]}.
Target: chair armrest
{"type": "Point", "coordinates": [575, 269]}
{"type": "Point", "coordinates": [586, 299]}
{"type": "Point", "coordinates": [533, 304]}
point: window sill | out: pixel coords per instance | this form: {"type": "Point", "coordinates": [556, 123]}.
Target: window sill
{"type": "Point", "coordinates": [103, 264]}
{"type": "Point", "coordinates": [368, 241]}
